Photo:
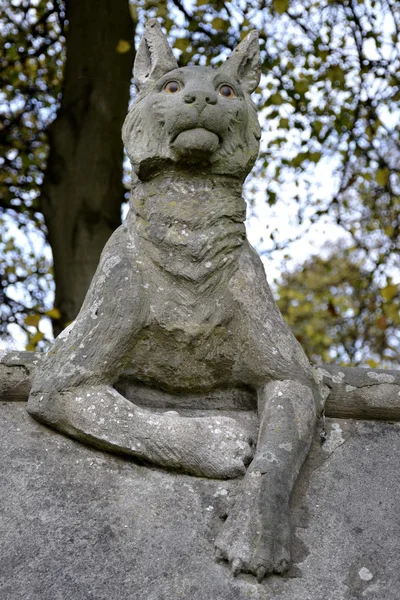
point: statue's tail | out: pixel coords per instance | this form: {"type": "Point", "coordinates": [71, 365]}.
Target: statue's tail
{"type": "Point", "coordinates": [352, 392]}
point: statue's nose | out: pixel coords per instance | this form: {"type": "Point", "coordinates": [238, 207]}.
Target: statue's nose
{"type": "Point", "coordinates": [200, 99]}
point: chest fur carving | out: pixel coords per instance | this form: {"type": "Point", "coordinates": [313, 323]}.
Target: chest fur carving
{"type": "Point", "coordinates": [189, 227]}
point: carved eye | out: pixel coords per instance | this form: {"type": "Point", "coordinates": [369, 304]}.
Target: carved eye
{"type": "Point", "coordinates": [172, 87]}
{"type": "Point", "coordinates": [226, 91]}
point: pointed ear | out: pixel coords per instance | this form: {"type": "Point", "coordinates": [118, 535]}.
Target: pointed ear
{"type": "Point", "coordinates": [154, 57]}
{"type": "Point", "coordinates": [244, 63]}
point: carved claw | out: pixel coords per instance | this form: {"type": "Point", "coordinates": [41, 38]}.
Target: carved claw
{"type": "Point", "coordinates": [236, 567]}
{"type": "Point", "coordinates": [253, 440]}
{"type": "Point", "coordinates": [219, 555]}
{"type": "Point", "coordinates": [261, 571]}
{"type": "Point", "coordinates": [282, 566]}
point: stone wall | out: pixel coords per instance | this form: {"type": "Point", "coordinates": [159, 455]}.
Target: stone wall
{"type": "Point", "coordinates": [81, 524]}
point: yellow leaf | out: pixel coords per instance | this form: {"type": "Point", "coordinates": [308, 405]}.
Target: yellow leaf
{"type": "Point", "coordinates": [372, 363]}
{"type": "Point", "coordinates": [30, 347]}
{"type": "Point", "coordinates": [389, 291]}
{"type": "Point", "coordinates": [37, 338]}
{"type": "Point", "coordinates": [382, 176]}
{"type": "Point", "coordinates": [280, 6]}
{"type": "Point", "coordinates": [123, 46]}
{"type": "Point", "coordinates": [32, 320]}
{"type": "Point", "coordinates": [54, 313]}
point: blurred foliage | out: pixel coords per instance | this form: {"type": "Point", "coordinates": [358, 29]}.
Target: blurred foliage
{"type": "Point", "coordinates": [339, 312]}
{"type": "Point", "coordinates": [328, 102]}
{"type": "Point", "coordinates": [25, 280]}
{"type": "Point", "coordinates": [33, 54]}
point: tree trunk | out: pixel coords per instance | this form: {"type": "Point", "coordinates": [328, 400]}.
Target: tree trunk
{"type": "Point", "coordinates": [82, 190]}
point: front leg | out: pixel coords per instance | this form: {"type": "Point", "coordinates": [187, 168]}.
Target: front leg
{"type": "Point", "coordinates": [256, 535]}
{"type": "Point", "coordinates": [206, 446]}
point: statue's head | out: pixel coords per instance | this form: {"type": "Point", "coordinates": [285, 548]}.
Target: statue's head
{"type": "Point", "coordinates": [193, 115]}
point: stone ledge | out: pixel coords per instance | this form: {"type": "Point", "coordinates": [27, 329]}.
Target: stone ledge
{"type": "Point", "coordinates": [16, 370]}
{"type": "Point", "coordinates": [356, 393]}
{"type": "Point", "coordinates": [361, 393]}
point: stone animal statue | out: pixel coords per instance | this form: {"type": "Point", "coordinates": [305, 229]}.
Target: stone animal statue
{"type": "Point", "coordinates": [180, 309]}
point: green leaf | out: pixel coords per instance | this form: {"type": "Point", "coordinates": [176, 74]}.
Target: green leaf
{"type": "Point", "coordinates": [323, 54]}
{"type": "Point", "coordinates": [220, 24]}
{"type": "Point", "coordinates": [280, 6]}
{"type": "Point", "coordinates": [301, 86]}
{"type": "Point", "coordinates": [336, 75]}
{"type": "Point", "coordinates": [275, 99]}
{"type": "Point", "coordinates": [133, 12]}
{"type": "Point", "coordinates": [182, 44]}
{"type": "Point", "coordinates": [382, 176]}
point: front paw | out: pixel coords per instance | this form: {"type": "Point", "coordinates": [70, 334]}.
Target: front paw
{"type": "Point", "coordinates": [256, 535]}
{"type": "Point", "coordinates": [216, 447]}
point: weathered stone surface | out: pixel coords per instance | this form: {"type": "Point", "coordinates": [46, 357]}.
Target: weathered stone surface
{"type": "Point", "coordinates": [80, 524]}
